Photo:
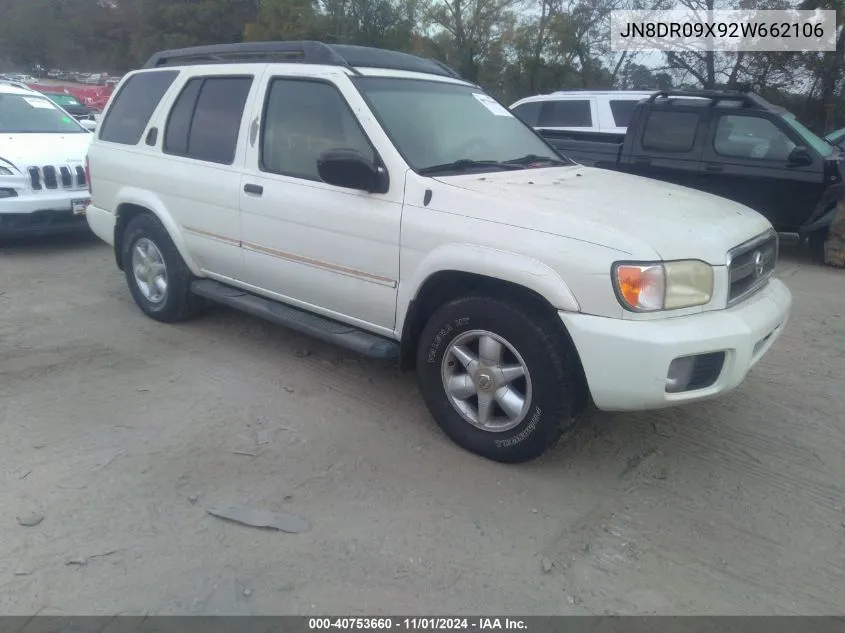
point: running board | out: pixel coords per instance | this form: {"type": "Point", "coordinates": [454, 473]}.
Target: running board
{"type": "Point", "coordinates": [308, 323]}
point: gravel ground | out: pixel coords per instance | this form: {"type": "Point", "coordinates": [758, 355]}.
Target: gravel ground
{"type": "Point", "coordinates": [117, 432]}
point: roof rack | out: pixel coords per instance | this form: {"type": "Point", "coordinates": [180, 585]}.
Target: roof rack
{"type": "Point", "coordinates": [746, 97]}
{"type": "Point", "coordinates": [597, 92]}
{"type": "Point", "coordinates": [304, 52]}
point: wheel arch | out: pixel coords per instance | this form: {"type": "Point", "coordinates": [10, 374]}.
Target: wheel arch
{"type": "Point", "coordinates": [457, 270]}
{"type": "Point", "coordinates": [135, 202]}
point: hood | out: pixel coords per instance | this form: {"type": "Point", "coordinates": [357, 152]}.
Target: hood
{"type": "Point", "coordinates": [23, 150]}
{"type": "Point", "coordinates": [634, 215]}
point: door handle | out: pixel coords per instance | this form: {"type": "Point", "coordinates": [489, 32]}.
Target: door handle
{"type": "Point", "coordinates": [253, 189]}
{"type": "Point", "coordinates": [713, 166]}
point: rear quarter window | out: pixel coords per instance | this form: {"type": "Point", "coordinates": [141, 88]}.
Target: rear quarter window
{"type": "Point", "coordinates": [667, 131]}
{"type": "Point", "coordinates": [133, 105]}
{"type": "Point", "coordinates": [621, 110]}
{"type": "Point", "coordinates": [205, 120]}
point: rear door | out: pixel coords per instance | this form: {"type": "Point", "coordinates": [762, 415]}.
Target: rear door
{"type": "Point", "coordinates": [203, 146]}
{"type": "Point", "coordinates": [745, 159]}
{"type": "Point", "coordinates": [668, 143]}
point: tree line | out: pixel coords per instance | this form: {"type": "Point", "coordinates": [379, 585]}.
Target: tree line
{"type": "Point", "coordinates": [513, 48]}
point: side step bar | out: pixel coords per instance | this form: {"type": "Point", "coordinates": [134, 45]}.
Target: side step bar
{"type": "Point", "coordinates": [313, 325]}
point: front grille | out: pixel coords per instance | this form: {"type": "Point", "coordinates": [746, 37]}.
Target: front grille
{"type": "Point", "coordinates": [57, 177]}
{"type": "Point", "coordinates": [50, 177]}
{"type": "Point", "coordinates": [751, 265]}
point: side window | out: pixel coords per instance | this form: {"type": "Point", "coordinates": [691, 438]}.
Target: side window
{"type": "Point", "coordinates": [750, 137]}
{"type": "Point", "coordinates": [205, 120]}
{"type": "Point", "coordinates": [621, 110]}
{"type": "Point", "coordinates": [133, 105]}
{"type": "Point", "coordinates": [529, 112]}
{"type": "Point", "coordinates": [302, 119]}
{"type": "Point", "coordinates": [667, 131]}
{"type": "Point", "coordinates": [179, 121]}
{"type": "Point", "coordinates": [567, 113]}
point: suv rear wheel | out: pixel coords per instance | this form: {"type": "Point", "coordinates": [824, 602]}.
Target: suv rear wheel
{"type": "Point", "coordinates": [500, 381]}
{"type": "Point", "coordinates": [158, 278]}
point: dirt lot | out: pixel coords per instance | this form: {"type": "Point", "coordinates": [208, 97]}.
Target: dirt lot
{"type": "Point", "coordinates": [119, 431]}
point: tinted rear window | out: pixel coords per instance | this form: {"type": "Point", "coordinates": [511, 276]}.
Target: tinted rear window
{"type": "Point", "coordinates": [569, 113]}
{"type": "Point", "coordinates": [622, 109]}
{"type": "Point", "coordinates": [206, 119]}
{"type": "Point", "coordinates": [667, 131]}
{"type": "Point", "coordinates": [179, 120]}
{"type": "Point", "coordinates": [133, 105]}
{"type": "Point", "coordinates": [529, 112]}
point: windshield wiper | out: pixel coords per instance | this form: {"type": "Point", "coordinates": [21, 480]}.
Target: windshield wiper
{"type": "Point", "coordinates": [529, 159]}
{"type": "Point", "coordinates": [464, 164]}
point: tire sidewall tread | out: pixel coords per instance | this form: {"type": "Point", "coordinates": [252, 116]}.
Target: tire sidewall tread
{"type": "Point", "coordinates": [180, 303]}
{"type": "Point", "coordinates": [545, 350]}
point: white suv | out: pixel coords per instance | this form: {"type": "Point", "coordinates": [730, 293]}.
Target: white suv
{"type": "Point", "coordinates": [582, 113]}
{"type": "Point", "coordinates": [43, 186]}
{"type": "Point", "coordinates": [376, 200]}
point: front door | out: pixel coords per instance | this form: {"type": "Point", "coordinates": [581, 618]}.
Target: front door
{"type": "Point", "coordinates": [745, 159]}
{"type": "Point", "coordinates": [329, 249]}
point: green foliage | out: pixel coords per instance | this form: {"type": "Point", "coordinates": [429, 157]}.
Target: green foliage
{"type": "Point", "coordinates": [283, 20]}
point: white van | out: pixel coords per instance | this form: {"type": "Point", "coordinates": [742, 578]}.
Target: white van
{"type": "Point", "coordinates": [590, 112]}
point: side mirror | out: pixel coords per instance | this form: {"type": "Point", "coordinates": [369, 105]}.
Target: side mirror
{"type": "Point", "coordinates": [799, 157]}
{"type": "Point", "coordinates": [88, 124]}
{"type": "Point", "coordinates": [350, 169]}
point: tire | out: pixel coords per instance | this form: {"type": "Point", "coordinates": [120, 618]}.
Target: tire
{"type": "Point", "coordinates": [553, 390]}
{"type": "Point", "coordinates": [816, 241]}
{"type": "Point", "coordinates": [176, 302]}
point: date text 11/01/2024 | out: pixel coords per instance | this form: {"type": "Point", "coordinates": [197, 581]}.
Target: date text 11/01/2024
{"type": "Point", "coordinates": [421, 624]}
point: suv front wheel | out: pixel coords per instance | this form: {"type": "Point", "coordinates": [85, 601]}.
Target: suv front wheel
{"type": "Point", "coordinates": [500, 381]}
{"type": "Point", "coordinates": [158, 278]}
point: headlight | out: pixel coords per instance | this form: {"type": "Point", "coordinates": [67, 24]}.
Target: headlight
{"type": "Point", "coordinates": [650, 286]}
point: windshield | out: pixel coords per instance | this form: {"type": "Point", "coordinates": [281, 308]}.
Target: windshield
{"type": "Point", "coordinates": [436, 123]}
{"type": "Point", "coordinates": [821, 146]}
{"type": "Point", "coordinates": [63, 100]}
{"type": "Point", "coordinates": [36, 115]}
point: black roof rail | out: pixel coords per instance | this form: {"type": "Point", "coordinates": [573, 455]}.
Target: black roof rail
{"type": "Point", "coordinates": [315, 52]}
{"type": "Point", "coordinates": [746, 97]}
{"type": "Point", "coordinates": [305, 52]}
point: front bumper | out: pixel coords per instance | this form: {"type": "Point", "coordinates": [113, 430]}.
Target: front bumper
{"type": "Point", "coordinates": [41, 223]}
{"type": "Point", "coordinates": [627, 363]}
{"type": "Point", "coordinates": [43, 213]}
